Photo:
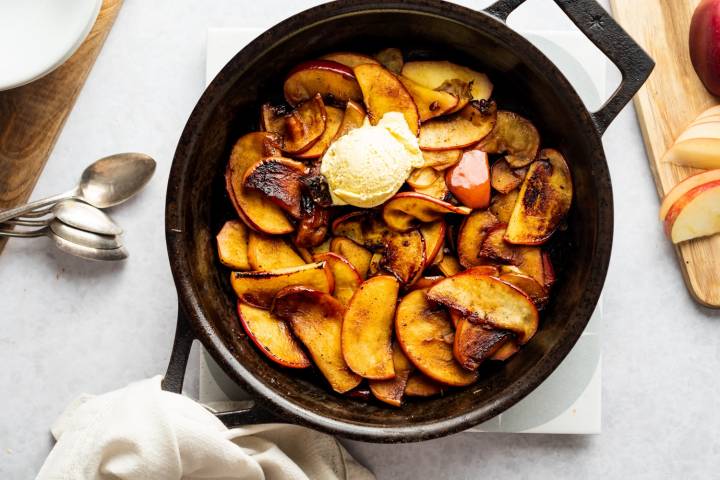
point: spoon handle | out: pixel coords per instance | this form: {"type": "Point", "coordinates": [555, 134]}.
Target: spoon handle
{"type": "Point", "coordinates": [26, 222]}
{"type": "Point", "coordinates": [17, 211]}
{"type": "Point", "coordinates": [35, 233]}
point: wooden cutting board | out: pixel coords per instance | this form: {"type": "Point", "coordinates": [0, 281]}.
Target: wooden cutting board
{"type": "Point", "coordinates": [671, 98]}
{"type": "Point", "coordinates": [32, 116]}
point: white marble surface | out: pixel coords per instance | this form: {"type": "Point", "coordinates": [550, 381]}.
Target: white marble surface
{"type": "Point", "coordinates": [68, 326]}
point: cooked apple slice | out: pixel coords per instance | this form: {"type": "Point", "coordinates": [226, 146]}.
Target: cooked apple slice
{"type": "Point", "coordinates": [548, 272]}
{"type": "Point", "coordinates": [449, 266]}
{"type": "Point", "coordinates": [679, 190]}
{"type": "Point", "coordinates": [333, 120]}
{"type": "Point", "coordinates": [405, 255]}
{"type": "Point", "coordinates": [460, 89]}
{"type": "Point", "coordinates": [488, 301]}
{"type": "Point", "coordinates": [514, 136]}
{"type": "Point", "coordinates": [280, 181]}
{"type": "Point", "coordinates": [418, 385]}
{"type": "Point", "coordinates": [313, 226]}
{"type": "Point", "coordinates": [469, 180]}
{"type": "Point", "coordinates": [271, 253]}
{"type": "Point", "coordinates": [376, 267]}
{"type": "Point", "coordinates": [424, 283]}
{"type": "Point", "coordinates": [503, 178]}
{"type": "Point", "coordinates": [363, 227]}
{"type": "Point", "coordinates": [349, 59]}
{"type": "Point", "coordinates": [471, 236]}
{"type": "Point", "coordinates": [407, 210]}
{"type": "Point", "coordinates": [305, 254]}
{"type": "Point", "coordinates": [300, 128]}
{"type": "Point", "coordinates": [434, 236]}
{"type": "Point", "coordinates": [316, 320]}
{"type": "Point", "coordinates": [507, 350]}
{"type": "Point", "coordinates": [441, 159]}
{"type": "Point", "coordinates": [495, 249]}
{"type": "Point", "coordinates": [358, 256]}
{"type": "Point", "coordinates": [459, 130]}
{"type": "Point", "coordinates": [391, 391]}
{"type": "Point", "coordinates": [347, 279]}
{"type": "Point", "coordinates": [332, 80]}
{"type": "Point", "coordinates": [383, 92]}
{"type": "Point", "coordinates": [392, 59]}
{"type": "Point", "coordinates": [696, 214]}
{"type": "Point", "coordinates": [502, 205]}
{"type": "Point", "coordinates": [532, 264]}
{"type": "Point", "coordinates": [422, 177]}
{"type": "Point", "coordinates": [424, 332]}
{"type": "Point", "coordinates": [272, 336]}
{"type": "Point", "coordinates": [353, 118]}
{"type": "Point", "coordinates": [438, 189]}
{"type": "Point", "coordinates": [367, 328]}
{"type": "Point", "coordinates": [534, 290]}
{"type": "Point", "coordinates": [543, 201]}
{"type": "Point", "coordinates": [476, 343]}
{"type": "Point", "coordinates": [430, 103]}
{"type": "Point", "coordinates": [259, 288]}
{"type": "Point", "coordinates": [433, 74]}
{"type": "Point", "coordinates": [232, 245]}
{"type": "Point", "coordinates": [322, 248]}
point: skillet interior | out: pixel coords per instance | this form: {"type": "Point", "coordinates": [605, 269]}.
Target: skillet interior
{"type": "Point", "coordinates": [525, 81]}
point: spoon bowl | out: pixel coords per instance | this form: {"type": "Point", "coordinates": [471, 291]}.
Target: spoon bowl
{"type": "Point", "coordinates": [113, 180]}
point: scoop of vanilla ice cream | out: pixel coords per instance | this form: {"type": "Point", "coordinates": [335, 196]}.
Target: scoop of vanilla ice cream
{"type": "Point", "coordinates": [368, 165]}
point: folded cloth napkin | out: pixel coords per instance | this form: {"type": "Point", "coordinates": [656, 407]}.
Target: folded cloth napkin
{"type": "Point", "coordinates": [141, 432]}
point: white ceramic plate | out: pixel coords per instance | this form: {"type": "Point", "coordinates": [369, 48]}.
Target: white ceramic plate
{"type": "Point", "coordinates": [37, 36]}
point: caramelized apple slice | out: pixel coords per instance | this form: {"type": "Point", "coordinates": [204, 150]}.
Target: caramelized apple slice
{"type": "Point", "coordinates": [347, 279]}
{"type": "Point", "coordinates": [488, 301]}
{"type": "Point", "coordinates": [430, 103]}
{"type": "Point", "coordinates": [259, 288]}
{"type": "Point", "coordinates": [476, 343]}
{"type": "Point", "coordinates": [529, 286]}
{"type": "Point", "coordinates": [367, 328]}
{"type": "Point", "coordinates": [422, 177]}
{"type": "Point", "coordinates": [438, 189]}
{"type": "Point", "coordinates": [322, 248]}
{"type": "Point", "coordinates": [543, 202]}
{"type": "Point", "coordinates": [349, 59]}
{"type": "Point", "coordinates": [503, 178]}
{"type": "Point", "coordinates": [407, 210]}
{"type": "Point", "coordinates": [515, 136]}
{"type": "Point", "coordinates": [502, 205]}
{"type": "Point", "coordinates": [383, 92]}
{"type": "Point", "coordinates": [316, 320]}
{"type": "Point", "coordinates": [313, 225]}
{"type": "Point", "coordinates": [434, 236]}
{"type": "Point", "coordinates": [449, 266]}
{"type": "Point", "coordinates": [353, 118]}
{"type": "Point", "coordinates": [471, 236]}
{"type": "Point", "coordinates": [418, 385]}
{"type": "Point", "coordinates": [495, 249]}
{"type": "Point", "coordinates": [424, 283]}
{"type": "Point", "coordinates": [300, 128]}
{"type": "Point", "coordinates": [332, 80]}
{"type": "Point", "coordinates": [531, 263]}
{"type": "Point", "coordinates": [506, 351]}
{"type": "Point", "coordinates": [232, 245]}
{"type": "Point", "coordinates": [424, 332]}
{"type": "Point", "coordinates": [272, 336]}
{"type": "Point", "coordinates": [548, 271]}
{"type": "Point", "coordinates": [391, 391]}
{"type": "Point", "coordinates": [459, 130]}
{"type": "Point", "coordinates": [362, 227]}
{"type": "Point", "coordinates": [270, 253]}
{"type": "Point", "coordinates": [392, 59]}
{"type": "Point", "coordinates": [433, 74]}
{"type": "Point", "coordinates": [333, 120]}
{"type": "Point", "coordinates": [375, 267]}
{"type": "Point", "coordinates": [405, 255]}
{"type": "Point", "coordinates": [280, 181]}
{"type": "Point", "coordinates": [358, 256]}
{"type": "Point", "coordinates": [441, 159]}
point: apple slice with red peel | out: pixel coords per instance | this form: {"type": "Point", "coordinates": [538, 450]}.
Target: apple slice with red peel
{"type": "Point", "coordinates": [333, 120]}
{"type": "Point", "coordinates": [424, 332]}
{"type": "Point", "coordinates": [488, 301]}
{"type": "Point", "coordinates": [418, 385]}
{"type": "Point", "coordinates": [362, 227]}
{"type": "Point", "coordinates": [459, 130]}
{"type": "Point", "coordinates": [506, 351]}
{"type": "Point", "coordinates": [367, 328]}
{"type": "Point", "coordinates": [347, 279]}
{"type": "Point", "coordinates": [332, 80]}
{"type": "Point", "coordinates": [383, 92]}
{"type": "Point", "coordinates": [280, 180]}
{"type": "Point", "coordinates": [358, 256]}
{"type": "Point", "coordinates": [309, 312]}
{"type": "Point", "coordinates": [391, 391]}
{"type": "Point", "coordinates": [441, 159]}
{"type": "Point", "coordinates": [684, 187]}
{"type": "Point", "coordinates": [405, 255]}
{"type": "Point", "coordinates": [349, 59]}
{"type": "Point", "coordinates": [232, 245]}
{"type": "Point", "coordinates": [433, 74]}
{"type": "Point", "coordinates": [502, 205]}
{"type": "Point", "coordinates": [430, 103]}
{"type": "Point", "coordinates": [392, 59]}
{"type": "Point", "coordinates": [469, 180]}
{"type": "Point", "coordinates": [503, 178]}
{"type": "Point", "coordinates": [476, 343]}
{"type": "Point", "coordinates": [473, 231]}
{"type": "Point", "coordinates": [514, 136]}
{"type": "Point", "coordinates": [272, 336]}
{"type": "Point", "coordinates": [534, 290]}
{"type": "Point", "coordinates": [353, 118]}
{"type": "Point", "coordinates": [407, 210]}
{"type": "Point", "coordinates": [434, 236]}
{"type": "Point", "coordinates": [266, 253]}
{"type": "Point", "coordinates": [696, 214]}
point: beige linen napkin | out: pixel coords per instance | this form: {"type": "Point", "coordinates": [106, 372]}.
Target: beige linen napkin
{"type": "Point", "coordinates": [143, 433]}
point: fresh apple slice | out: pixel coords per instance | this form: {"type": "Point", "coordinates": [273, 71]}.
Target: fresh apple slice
{"type": "Point", "coordinates": [430, 103]}
{"type": "Point", "coordinates": [333, 120]}
{"type": "Point", "coordinates": [392, 59]}
{"type": "Point", "coordinates": [259, 288]}
{"type": "Point", "coordinates": [700, 130]}
{"type": "Point", "coordinates": [300, 128]}
{"type": "Point", "coordinates": [506, 351]}
{"type": "Point", "coordinates": [271, 253]}
{"type": "Point", "coordinates": [383, 92]}
{"type": "Point", "coordinates": [469, 180]}
{"type": "Point", "coordinates": [252, 206]}
{"type": "Point", "coordinates": [543, 201]}
{"type": "Point", "coordinates": [712, 111]}
{"type": "Point", "coordinates": [358, 256]}
{"type": "Point", "coordinates": [503, 178]}
{"type": "Point", "coordinates": [696, 214]}
{"type": "Point", "coordinates": [347, 279]}
{"type": "Point", "coordinates": [495, 249]}
{"type": "Point", "coordinates": [459, 130]}
{"type": "Point", "coordinates": [475, 343]}
{"type": "Point", "coordinates": [422, 177]}
{"type": "Point", "coordinates": [529, 286]}
{"type": "Point", "coordinates": [232, 245]}
{"type": "Point", "coordinates": [407, 210]}
{"type": "Point", "coordinates": [471, 236]}
{"type": "Point", "coordinates": [330, 79]}
{"type": "Point", "coordinates": [362, 227]}
{"type": "Point", "coordinates": [679, 190]}
{"type": "Point", "coordinates": [316, 320]}
{"type": "Point", "coordinates": [441, 159]}
{"type": "Point", "coordinates": [418, 385]}
{"type": "Point", "coordinates": [438, 189]}
{"type": "Point", "coordinates": [353, 118]}
{"type": "Point", "coordinates": [449, 266]}
{"type": "Point", "coordinates": [367, 328]}
{"type": "Point", "coordinates": [502, 205]}
{"type": "Point", "coordinates": [405, 255]}
{"type": "Point", "coordinates": [272, 336]}
{"type": "Point", "coordinates": [434, 236]}
{"type": "Point", "coordinates": [487, 300]}
{"type": "Point", "coordinates": [695, 153]}
{"type": "Point", "coordinates": [391, 391]}
{"type": "Point", "coordinates": [424, 332]}
{"type": "Point", "coordinates": [707, 119]}
{"type": "Point", "coordinates": [280, 180]}
{"type": "Point", "coordinates": [515, 136]}
{"type": "Point", "coordinates": [349, 59]}
{"type": "Point", "coordinates": [433, 74]}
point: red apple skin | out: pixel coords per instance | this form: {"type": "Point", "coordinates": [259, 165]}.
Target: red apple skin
{"type": "Point", "coordinates": [323, 65]}
{"type": "Point", "coordinates": [684, 200]}
{"type": "Point", "coordinates": [705, 44]}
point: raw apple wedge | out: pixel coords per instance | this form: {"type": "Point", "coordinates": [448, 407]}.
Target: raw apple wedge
{"type": "Point", "coordinates": [332, 80]}
{"type": "Point", "coordinates": [418, 385]}
{"type": "Point", "coordinates": [272, 336]}
{"type": "Point", "coordinates": [367, 328]}
{"type": "Point", "coordinates": [476, 343]}
{"type": "Point", "coordinates": [459, 130]}
{"type": "Point", "coordinates": [407, 210]}
{"type": "Point", "coordinates": [430, 103]}
{"type": "Point", "coordinates": [259, 288]}
{"type": "Point", "coordinates": [232, 245]}
{"type": "Point", "coordinates": [271, 253]}
{"type": "Point", "coordinates": [696, 214]}
{"type": "Point", "coordinates": [503, 178]}
{"type": "Point", "coordinates": [349, 59]}
{"type": "Point", "coordinates": [433, 74]}
{"type": "Point", "coordinates": [696, 152]}
{"type": "Point", "coordinates": [383, 92]}
{"type": "Point", "coordinates": [425, 335]}
{"type": "Point", "coordinates": [316, 320]}
{"type": "Point", "coordinates": [333, 120]}
{"type": "Point", "coordinates": [391, 391]}
{"type": "Point", "coordinates": [347, 279]}
{"type": "Point", "coordinates": [434, 236]}
{"type": "Point", "coordinates": [543, 202]}
{"type": "Point", "coordinates": [280, 181]}
{"type": "Point", "coordinates": [353, 118]}
{"type": "Point", "coordinates": [300, 128]}
{"type": "Point", "coordinates": [473, 231]}
{"type": "Point", "coordinates": [514, 136]}
{"type": "Point", "coordinates": [405, 255]}
{"type": "Point", "coordinates": [679, 190]}
{"type": "Point", "coordinates": [358, 256]}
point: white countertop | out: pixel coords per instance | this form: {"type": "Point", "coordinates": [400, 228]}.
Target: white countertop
{"type": "Point", "coordinates": [68, 326]}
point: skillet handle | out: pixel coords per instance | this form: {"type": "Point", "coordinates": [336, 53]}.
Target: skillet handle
{"type": "Point", "coordinates": [634, 64]}
{"type": "Point", "coordinates": [175, 376]}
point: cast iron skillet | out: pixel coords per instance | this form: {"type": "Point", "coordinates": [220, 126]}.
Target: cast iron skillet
{"type": "Point", "coordinates": [525, 81]}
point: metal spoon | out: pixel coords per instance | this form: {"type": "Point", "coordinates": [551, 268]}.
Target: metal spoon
{"type": "Point", "coordinates": [71, 234]}
{"type": "Point", "coordinates": [77, 214]}
{"type": "Point", "coordinates": [107, 182]}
